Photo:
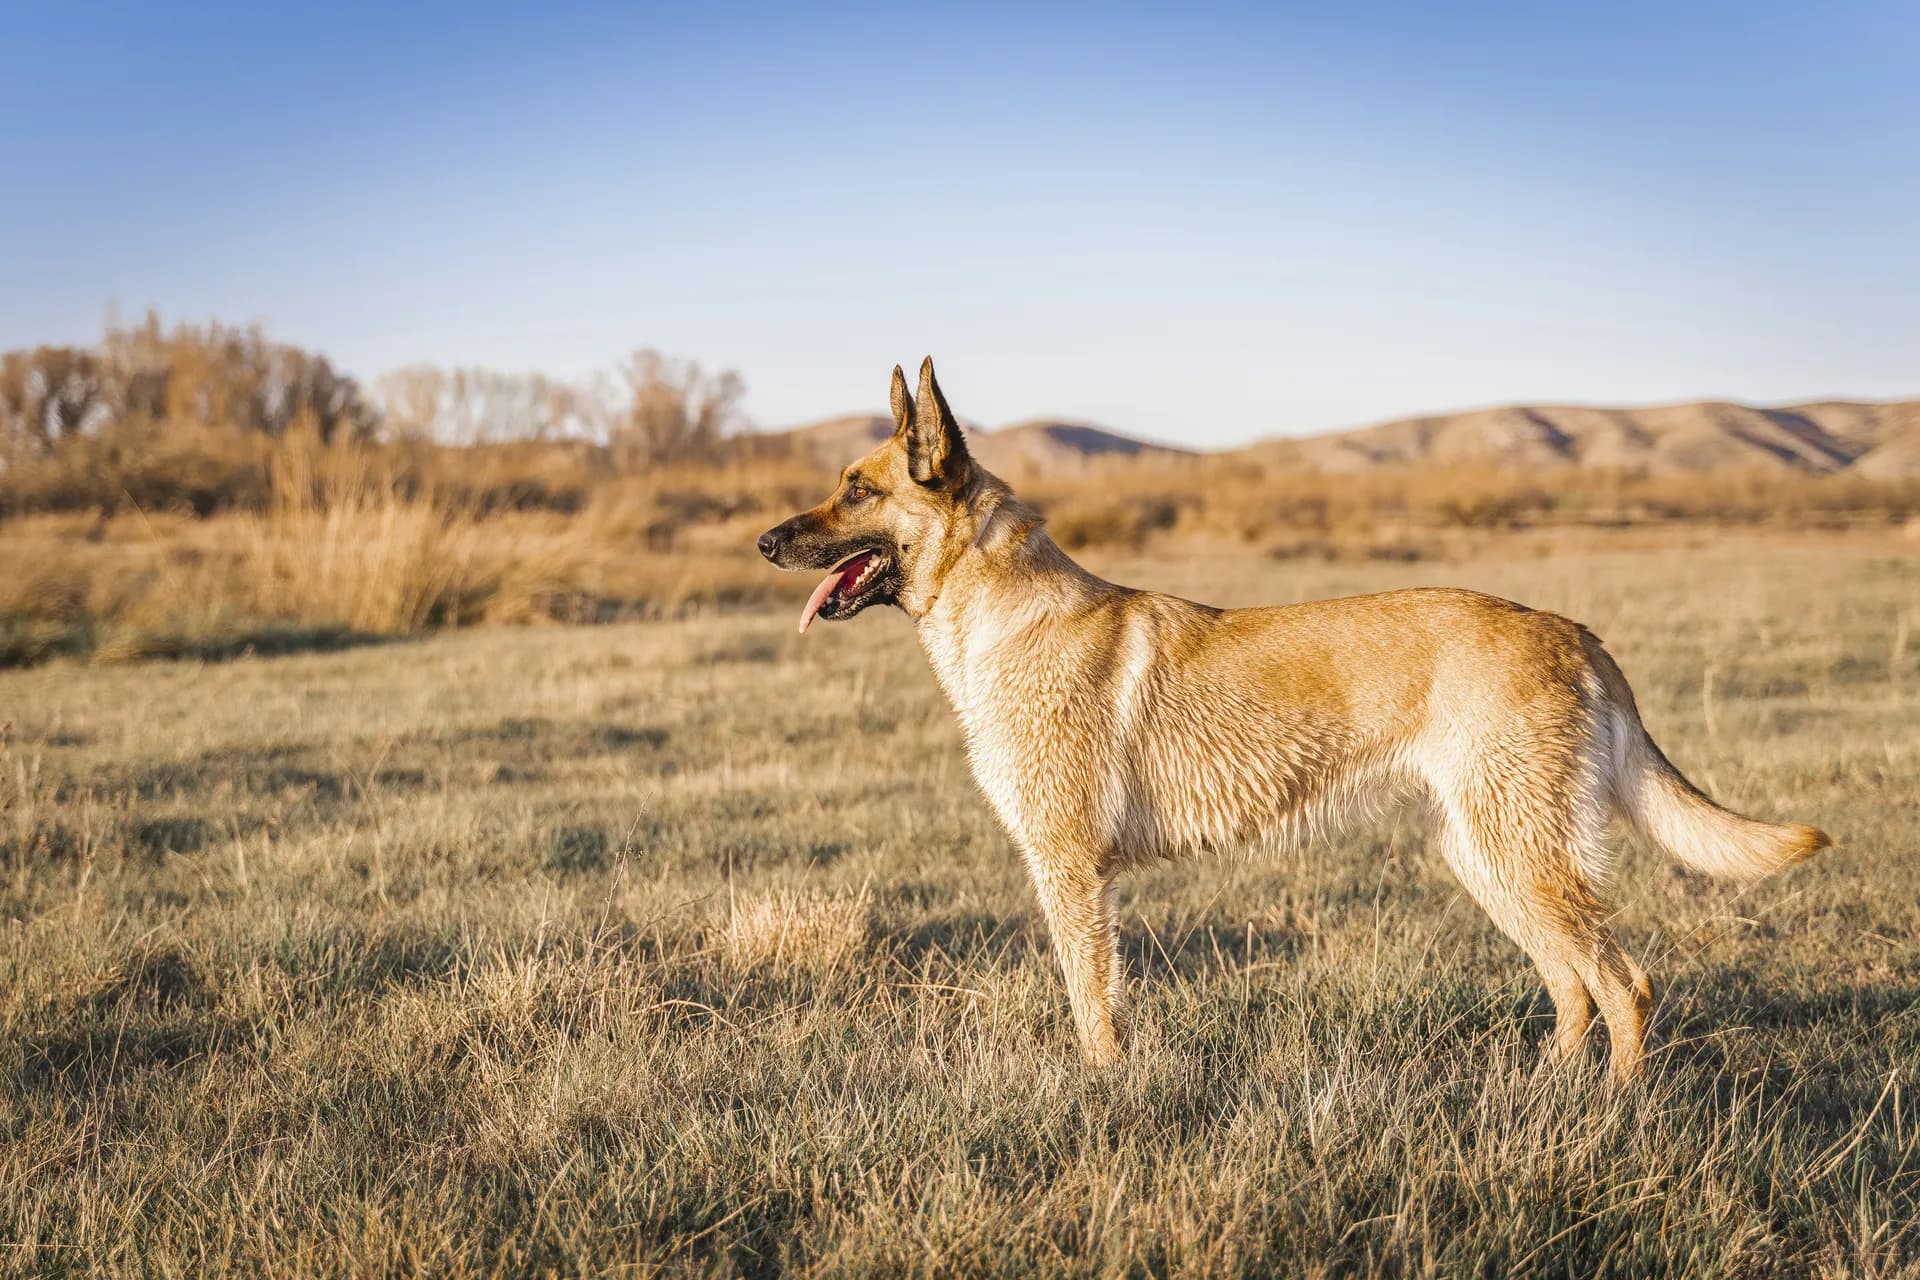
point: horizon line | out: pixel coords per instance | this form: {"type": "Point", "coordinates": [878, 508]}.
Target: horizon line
{"type": "Point", "coordinates": [1065, 420]}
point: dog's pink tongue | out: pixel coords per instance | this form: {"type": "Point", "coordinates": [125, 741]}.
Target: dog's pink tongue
{"type": "Point", "coordinates": [841, 575]}
{"type": "Point", "coordinates": [818, 598]}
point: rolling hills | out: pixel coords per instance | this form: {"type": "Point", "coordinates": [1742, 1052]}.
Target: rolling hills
{"type": "Point", "coordinates": [1040, 445]}
{"type": "Point", "coordinates": [1878, 439]}
{"type": "Point", "coordinates": [1818, 438]}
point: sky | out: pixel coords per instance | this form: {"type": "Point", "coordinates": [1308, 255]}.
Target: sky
{"type": "Point", "coordinates": [1197, 223]}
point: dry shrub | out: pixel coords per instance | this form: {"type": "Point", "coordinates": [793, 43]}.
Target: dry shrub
{"type": "Point", "coordinates": [665, 507]}
{"type": "Point", "coordinates": [345, 546]}
{"type": "Point", "coordinates": [1235, 499]}
{"type": "Point", "coordinates": [801, 929]}
{"type": "Point", "coordinates": [344, 543]}
{"type": "Point", "coordinates": [1093, 519]}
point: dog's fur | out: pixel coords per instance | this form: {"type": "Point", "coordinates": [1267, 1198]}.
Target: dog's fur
{"type": "Point", "coordinates": [1110, 727]}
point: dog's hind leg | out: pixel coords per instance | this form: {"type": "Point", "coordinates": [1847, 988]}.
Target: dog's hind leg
{"type": "Point", "coordinates": [1518, 845]}
{"type": "Point", "coordinates": [1078, 904]}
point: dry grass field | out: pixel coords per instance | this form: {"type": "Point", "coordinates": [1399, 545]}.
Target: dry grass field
{"type": "Point", "coordinates": [686, 947]}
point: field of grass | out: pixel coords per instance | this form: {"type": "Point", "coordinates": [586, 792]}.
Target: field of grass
{"type": "Point", "coordinates": [688, 947]}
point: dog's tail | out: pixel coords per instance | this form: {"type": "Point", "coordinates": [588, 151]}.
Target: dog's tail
{"type": "Point", "coordinates": [1679, 817]}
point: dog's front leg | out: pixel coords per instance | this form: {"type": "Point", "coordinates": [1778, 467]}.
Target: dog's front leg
{"type": "Point", "coordinates": [1078, 902]}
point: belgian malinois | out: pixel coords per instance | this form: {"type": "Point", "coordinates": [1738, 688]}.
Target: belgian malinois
{"type": "Point", "coordinates": [1111, 727]}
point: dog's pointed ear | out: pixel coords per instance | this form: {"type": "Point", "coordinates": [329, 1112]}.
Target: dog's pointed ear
{"type": "Point", "coordinates": [902, 402]}
{"type": "Point", "coordinates": [936, 451]}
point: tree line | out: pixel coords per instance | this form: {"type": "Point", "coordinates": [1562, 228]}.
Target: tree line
{"type": "Point", "coordinates": [147, 386]}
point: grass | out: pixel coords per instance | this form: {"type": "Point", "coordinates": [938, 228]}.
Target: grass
{"type": "Point", "coordinates": [686, 947]}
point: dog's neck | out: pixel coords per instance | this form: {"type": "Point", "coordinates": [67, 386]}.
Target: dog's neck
{"type": "Point", "coordinates": [1002, 605]}
{"type": "Point", "coordinates": [1003, 571]}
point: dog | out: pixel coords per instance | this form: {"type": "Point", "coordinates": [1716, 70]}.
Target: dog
{"type": "Point", "coordinates": [1110, 727]}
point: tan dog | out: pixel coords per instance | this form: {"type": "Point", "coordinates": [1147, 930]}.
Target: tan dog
{"type": "Point", "coordinates": [1110, 727]}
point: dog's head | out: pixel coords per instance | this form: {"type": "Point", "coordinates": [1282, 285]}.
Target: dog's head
{"type": "Point", "coordinates": [898, 519]}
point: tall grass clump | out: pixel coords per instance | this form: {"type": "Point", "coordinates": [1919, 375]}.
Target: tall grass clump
{"type": "Point", "coordinates": [345, 547]}
{"type": "Point", "coordinates": [345, 541]}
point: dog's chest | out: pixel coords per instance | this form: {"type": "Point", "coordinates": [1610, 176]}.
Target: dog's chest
{"type": "Point", "coordinates": [998, 685]}
{"type": "Point", "coordinates": [1038, 729]}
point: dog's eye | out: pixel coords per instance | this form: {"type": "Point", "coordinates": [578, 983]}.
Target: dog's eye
{"type": "Point", "coordinates": [860, 493]}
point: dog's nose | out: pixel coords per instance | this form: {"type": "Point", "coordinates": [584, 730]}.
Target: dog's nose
{"type": "Point", "coordinates": [769, 543]}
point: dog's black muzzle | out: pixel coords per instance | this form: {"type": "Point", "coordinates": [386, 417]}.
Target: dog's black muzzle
{"type": "Point", "coordinates": [803, 543]}
{"type": "Point", "coordinates": [793, 544]}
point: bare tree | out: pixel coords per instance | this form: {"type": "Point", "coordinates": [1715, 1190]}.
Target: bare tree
{"type": "Point", "coordinates": [675, 410]}
{"type": "Point", "coordinates": [480, 406]}
{"type": "Point", "coordinates": [49, 394]}
{"type": "Point", "coordinates": [410, 401]}
{"type": "Point", "coordinates": [220, 376]}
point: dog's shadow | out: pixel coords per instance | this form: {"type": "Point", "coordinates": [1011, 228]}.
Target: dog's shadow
{"type": "Point", "coordinates": [1709, 1024]}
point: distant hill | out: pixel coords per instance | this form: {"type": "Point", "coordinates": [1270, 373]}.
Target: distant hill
{"type": "Point", "coordinates": [1874, 438]}
{"type": "Point", "coordinates": [1042, 445]}
{"type": "Point", "coordinates": [1050, 447]}
{"type": "Point", "coordinates": [1880, 439]}
{"type": "Point", "coordinates": [834, 442]}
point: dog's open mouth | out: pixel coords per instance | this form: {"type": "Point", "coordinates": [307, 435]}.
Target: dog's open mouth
{"type": "Point", "coordinates": [863, 578]}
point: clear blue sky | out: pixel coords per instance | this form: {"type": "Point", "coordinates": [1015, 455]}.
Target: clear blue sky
{"type": "Point", "coordinates": [1199, 223]}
